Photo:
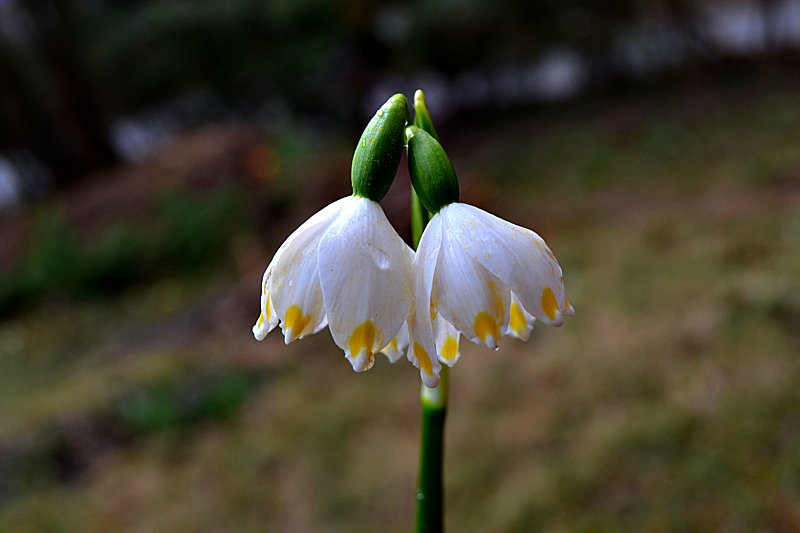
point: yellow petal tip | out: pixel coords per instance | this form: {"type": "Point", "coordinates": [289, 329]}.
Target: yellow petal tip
{"type": "Point", "coordinates": [486, 329]}
{"type": "Point", "coordinates": [295, 323]}
{"type": "Point", "coordinates": [450, 349]}
{"type": "Point", "coordinates": [549, 304]}
{"type": "Point", "coordinates": [517, 320]}
{"type": "Point", "coordinates": [363, 339]}
{"type": "Point", "coordinates": [423, 358]}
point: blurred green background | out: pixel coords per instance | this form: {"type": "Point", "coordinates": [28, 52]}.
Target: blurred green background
{"type": "Point", "coordinates": [154, 155]}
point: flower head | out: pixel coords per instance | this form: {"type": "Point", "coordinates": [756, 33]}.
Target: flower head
{"type": "Point", "coordinates": [345, 268]}
{"type": "Point", "coordinates": [475, 274]}
{"type": "Point", "coordinates": [479, 276]}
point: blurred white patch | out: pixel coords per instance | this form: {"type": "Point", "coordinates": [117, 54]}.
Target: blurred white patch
{"type": "Point", "coordinates": [560, 73]}
{"type": "Point", "coordinates": [747, 27]}
{"type": "Point", "coordinates": [136, 138]}
{"type": "Point", "coordinates": [736, 26]}
{"type": "Point", "coordinates": [9, 195]}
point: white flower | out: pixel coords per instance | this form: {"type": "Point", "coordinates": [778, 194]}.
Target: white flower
{"type": "Point", "coordinates": [345, 268]}
{"type": "Point", "coordinates": [479, 276]}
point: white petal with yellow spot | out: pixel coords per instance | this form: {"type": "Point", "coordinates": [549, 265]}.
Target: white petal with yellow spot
{"type": "Point", "coordinates": [292, 278]}
{"type": "Point", "coordinates": [446, 337]}
{"type": "Point", "coordinates": [365, 275]}
{"type": "Point", "coordinates": [465, 293]}
{"type": "Point", "coordinates": [398, 346]}
{"type": "Point", "coordinates": [520, 322]}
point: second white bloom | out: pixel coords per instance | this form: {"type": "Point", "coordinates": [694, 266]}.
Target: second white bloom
{"type": "Point", "coordinates": [346, 268]}
{"type": "Point", "coordinates": [478, 275]}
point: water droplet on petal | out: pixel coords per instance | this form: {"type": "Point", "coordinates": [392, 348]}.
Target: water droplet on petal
{"type": "Point", "coordinates": [380, 258]}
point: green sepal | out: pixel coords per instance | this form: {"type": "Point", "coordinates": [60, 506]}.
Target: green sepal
{"type": "Point", "coordinates": [432, 174]}
{"type": "Point", "coordinates": [379, 150]}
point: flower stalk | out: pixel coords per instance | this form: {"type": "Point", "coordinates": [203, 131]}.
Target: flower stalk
{"type": "Point", "coordinates": [430, 489]}
{"type": "Point", "coordinates": [419, 218]}
{"type": "Point", "coordinates": [430, 493]}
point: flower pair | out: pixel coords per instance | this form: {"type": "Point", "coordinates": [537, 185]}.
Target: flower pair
{"type": "Point", "coordinates": [473, 274]}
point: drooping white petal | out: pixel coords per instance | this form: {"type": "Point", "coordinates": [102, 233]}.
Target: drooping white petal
{"type": "Point", "coordinates": [422, 348]}
{"type": "Point", "coordinates": [446, 338]}
{"type": "Point", "coordinates": [465, 293]}
{"type": "Point", "coordinates": [267, 319]}
{"type": "Point", "coordinates": [292, 278]}
{"type": "Point", "coordinates": [515, 255]}
{"type": "Point", "coordinates": [398, 346]}
{"type": "Point", "coordinates": [520, 322]}
{"type": "Point", "coordinates": [365, 276]}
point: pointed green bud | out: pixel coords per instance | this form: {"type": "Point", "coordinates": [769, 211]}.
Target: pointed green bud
{"type": "Point", "coordinates": [422, 118]}
{"type": "Point", "coordinates": [432, 173]}
{"type": "Point", "coordinates": [379, 150]}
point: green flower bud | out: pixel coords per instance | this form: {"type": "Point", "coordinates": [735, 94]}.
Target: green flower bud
{"type": "Point", "coordinates": [422, 118]}
{"type": "Point", "coordinates": [432, 173]}
{"type": "Point", "coordinates": [379, 150]}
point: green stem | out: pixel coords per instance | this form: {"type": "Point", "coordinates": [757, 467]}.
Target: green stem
{"type": "Point", "coordinates": [430, 515]}
{"type": "Point", "coordinates": [419, 218]}
{"type": "Point", "coordinates": [430, 493]}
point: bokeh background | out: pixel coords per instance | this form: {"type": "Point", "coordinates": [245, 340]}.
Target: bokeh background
{"type": "Point", "coordinates": [154, 155]}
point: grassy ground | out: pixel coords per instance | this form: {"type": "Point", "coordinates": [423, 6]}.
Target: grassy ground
{"type": "Point", "coordinates": [669, 403]}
